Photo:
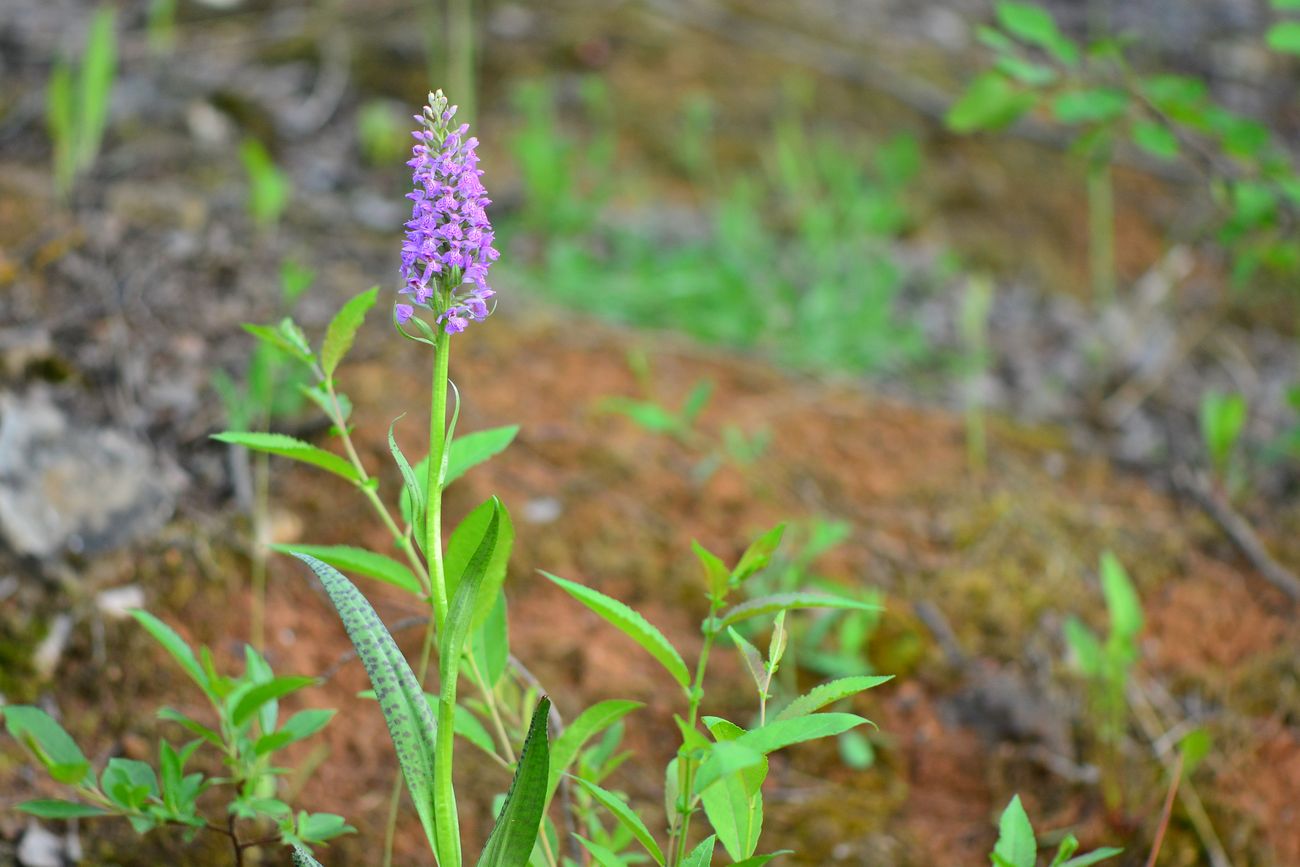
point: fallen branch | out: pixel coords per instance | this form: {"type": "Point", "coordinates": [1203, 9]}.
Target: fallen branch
{"type": "Point", "coordinates": [1238, 530]}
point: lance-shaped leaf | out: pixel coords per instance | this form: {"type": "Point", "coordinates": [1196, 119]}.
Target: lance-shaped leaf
{"type": "Point", "coordinates": [289, 447]}
{"type": "Point", "coordinates": [631, 624]}
{"type": "Point", "coordinates": [470, 450]}
{"type": "Point", "coordinates": [701, 855]}
{"type": "Point", "coordinates": [626, 817]}
{"type": "Point", "coordinates": [410, 724]}
{"type": "Point", "coordinates": [52, 746]}
{"type": "Point", "coordinates": [515, 832]}
{"type": "Point", "coordinates": [361, 561]}
{"type": "Point", "coordinates": [464, 542]}
{"type": "Point", "coordinates": [50, 809]}
{"type": "Point", "coordinates": [748, 749]}
{"type": "Point", "coordinates": [735, 806]}
{"type": "Point", "coordinates": [1016, 846]}
{"type": "Point", "coordinates": [412, 500]}
{"type": "Point", "coordinates": [174, 645]}
{"type": "Point", "coordinates": [758, 555]}
{"type": "Point", "coordinates": [788, 602]}
{"type": "Point", "coordinates": [830, 692]}
{"type": "Point", "coordinates": [589, 723]}
{"type": "Point", "coordinates": [248, 702]}
{"type": "Point", "coordinates": [343, 330]}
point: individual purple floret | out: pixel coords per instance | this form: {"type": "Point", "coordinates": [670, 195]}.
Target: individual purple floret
{"type": "Point", "coordinates": [448, 248]}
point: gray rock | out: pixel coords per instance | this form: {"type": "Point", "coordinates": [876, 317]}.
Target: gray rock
{"type": "Point", "coordinates": [67, 488]}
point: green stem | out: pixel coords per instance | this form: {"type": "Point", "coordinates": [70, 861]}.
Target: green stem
{"type": "Point", "coordinates": [1101, 230]}
{"type": "Point", "coordinates": [686, 764]}
{"type": "Point", "coordinates": [437, 458]}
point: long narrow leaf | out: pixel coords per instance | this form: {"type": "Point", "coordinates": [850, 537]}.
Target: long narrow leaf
{"type": "Point", "coordinates": [343, 329]}
{"type": "Point", "coordinates": [289, 447]}
{"type": "Point", "coordinates": [589, 723]}
{"type": "Point", "coordinates": [472, 449]}
{"type": "Point", "coordinates": [626, 817]}
{"type": "Point", "coordinates": [360, 560]}
{"type": "Point", "coordinates": [412, 501]}
{"type": "Point", "coordinates": [410, 724]}
{"type": "Point", "coordinates": [631, 624]}
{"type": "Point", "coordinates": [789, 602]}
{"type": "Point", "coordinates": [515, 832]}
{"type": "Point", "coordinates": [828, 693]}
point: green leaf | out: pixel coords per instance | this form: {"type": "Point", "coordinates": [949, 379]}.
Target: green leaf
{"type": "Point", "coordinates": [413, 496]}
{"type": "Point", "coordinates": [465, 601]}
{"type": "Point", "coordinates": [601, 855]}
{"type": "Point", "coordinates": [1156, 139]}
{"type": "Point", "coordinates": [515, 832]}
{"type": "Point", "coordinates": [470, 450]}
{"type": "Point", "coordinates": [295, 449]}
{"type": "Point", "coordinates": [174, 645]}
{"type": "Point", "coordinates": [1284, 37]}
{"type": "Point", "coordinates": [1086, 647]}
{"type": "Point", "coordinates": [735, 806]}
{"type": "Point", "coordinates": [758, 554]}
{"type": "Point", "coordinates": [249, 702]}
{"type": "Point", "coordinates": [98, 68]}
{"type": "Point", "coordinates": [589, 723]}
{"type": "Point", "coordinates": [191, 726]}
{"type": "Point", "coordinates": [129, 783]}
{"type": "Point", "coordinates": [465, 540]}
{"type": "Point", "coordinates": [991, 102]}
{"type": "Point", "coordinates": [830, 692]}
{"type": "Point", "coordinates": [760, 860]}
{"type": "Point", "coordinates": [739, 753]}
{"type": "Point", "coordinates": [268, 187]}
{"type": "Point", "coordinates": [1093, 857]}
{"type": "Point", "coordinates": [410, 724]}
{"type": "Point", "coordinates": [1121, 599]}
{"type": "Point", "coordinates": [1194, 746]}
{"type": "Point", "coordinates": [471, 729]}
{"type": "Point", "coordinates": [1285, 5]}
{"type": "Point", "coordinates": [1035, 26]}
{"type": "Point", "coordinates": [1016, 844]}
{"type": "Point", "coordinates": [789, 602]}
{"type": "Point", "coordinates": [343, 330]}
{"type": "Point", "coordinates": [319, 827]}
{"type": "Point", "coordinates": [701, 855]}
{"type": "Point", "coordinates": [490, 644]}
{"type": "Point", "coordinates": [361, 561]}
{"type": "Point", "coordinates": [302, 857]}
{"type": "Point", "coordinates": [53, 747]}
{"type": "Point", "coordinates": [301, 725]}
{"type": "Point", "coordinates": [277, 339]}
{"type": "Point", "coordinates": [1090, 105]}
{"type": "Point", "coordinates": [753, 662]}
{"type": "Point", "coordinates": [626, 817]}
{"type": "Point", "coordinates": [631, 624]}
{"type": "Point", "coordinates": [716, 574]}
{"type": "Point", "coordinates": [49, 809]}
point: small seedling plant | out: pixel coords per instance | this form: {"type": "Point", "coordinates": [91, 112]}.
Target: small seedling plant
{"type": "Point", "coordinates": [1223, 418]}
{"type": "Point", "coordinates": [247, 735]}
{"type": "Point", "coordinates": [77, 102]}
{"type": "Point", "coordinates": [1107, 664]}
{"type": "Point", "coordinates": [1017, 846]}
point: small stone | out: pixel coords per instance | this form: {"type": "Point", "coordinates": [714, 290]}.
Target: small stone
{"type": "Point", "coordinates": [118, 602]}
{"type": "Point", "coordinates": [40, 848]}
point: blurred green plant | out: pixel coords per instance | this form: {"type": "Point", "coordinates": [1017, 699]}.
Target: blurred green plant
{"type": "Point", "coordinates": [1107, 665]}
{"type": "Point", "coordinates": [77, 102]}
{"type": "Point", "coordinates": [800, 248]}
{"type": "Point", "coordinates": [1093, 91]}
{"type": "Point", "coordinates": [1223, 418]}
{"type": "Point", "coordinates": [269, 188]}
{"type": "Point", "coordinates": [274, 388]}
{"type": "Point", "coordinates": [381, 132]}
{"type": "Point", "coordinates": [248, 736]}
{"type": "Point", "coordinates": [160, 27]}
{"type": "Point", "coordinates": [1284, 35]}
{"type": "Point", "coordinates": [1017, 846]}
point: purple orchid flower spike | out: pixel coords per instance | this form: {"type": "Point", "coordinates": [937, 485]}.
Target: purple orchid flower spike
{"type": "Point", "coordinates": [448, 248]}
